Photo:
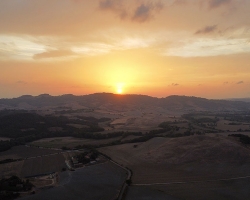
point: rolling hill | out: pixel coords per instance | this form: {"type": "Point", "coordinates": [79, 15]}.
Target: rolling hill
{"type": "Point", "coordinates": [173, 103]}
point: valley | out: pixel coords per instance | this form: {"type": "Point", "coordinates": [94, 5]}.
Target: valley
{"type": "Point", "coordinates": [171, 146]}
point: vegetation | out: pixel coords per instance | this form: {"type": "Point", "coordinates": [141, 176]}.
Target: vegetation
{"type": "Point", "coordinates": [243, 138]}
{"type": "Point", "coordinates": [24, 126]}
{"type": "Point", "coordinates": [10, 188]}
{"type": "Point", "coordinates": [86, 157]}
{"type": "Point", "coordinates": [8, 160]}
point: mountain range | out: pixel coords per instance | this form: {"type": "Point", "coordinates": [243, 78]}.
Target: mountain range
{"type": "Point", "coordinates": [185, 103]}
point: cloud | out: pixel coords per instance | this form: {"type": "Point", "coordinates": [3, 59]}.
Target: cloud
{"type": "Point", "coordinates": [217, 3]}
{"type": "Point", "coordinates": [54, 54]}
{"type": "Point", "coordinates": [13, 47]}
{"type": "Point", "coordinates": [142, 12]}
{"type": "Point", "coordinates": [175, 84]}
{"type": "Point", "coordinates": [180, 2]}
{"type": "Point", "coordinates": [115, 6]}
{"type": "Point", "coordinates": [145, 12]}
{"type": "Point", "coordinates": [207, 29]}
{"type": "Point", "coordinates": [240, 82]}
{"type": "Point", "coordinates": [204, 47]}
{"type": "Point", "coordinates": [21, 82]}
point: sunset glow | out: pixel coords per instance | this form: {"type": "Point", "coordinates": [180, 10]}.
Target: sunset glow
{"type": "Point", "coordinates": [119, 90]}
{"type": "Point", "coordinates": [157, 48]}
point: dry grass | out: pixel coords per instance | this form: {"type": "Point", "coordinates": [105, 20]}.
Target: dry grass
{"type": "Point", "coordinates": [78, 126]}
{"type": "Point", "coordinates": [4, 138]}
{"type": "Point", "coordinates": [223, 190]}
{"type": "Point", "coordinates": [20, 168]}
{"type": "Point", "coordinates": [43, 165]}
{"type": "Point", "coordinates": [39, 183]}
{"type": "Point", "coordinates": [10, 169]}
{"type": "Point", "coordinates": [71, 142]}
{"type": "Point", "coordinates": [178, 159]}
{"type": "Point", "coordinates": [24, 152]}
{"type": "Point", "coordinates": [224, 125]}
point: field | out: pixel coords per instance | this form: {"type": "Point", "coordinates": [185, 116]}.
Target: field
{"type": "Point", "coordinates": [148, 193]}
{"type": "Point", "coordinates": [193, 167]}
{"type": "Point", "coordinates": [223, 190]}
{"type": "Point", "coordinates": [43, 165]}
{"type": "Point", "coordinates": [4, 138]}
{"type": "Point", "coordinates": [225, 126]}
{"type": "Point", "coordinates": [129, 117]}
{"type": "Point", "coordinates": [161, 160]}
{"type": "Point", "coordinates": [39, 160]}
{"type": "Point", "coordinates": [96, 182]}
{"type": "Point", "coordinates": [25, 152]}
{"type": "Point", "coordinates": [10, 169]}
{"type": "Point", "coordinates": [70, 142]}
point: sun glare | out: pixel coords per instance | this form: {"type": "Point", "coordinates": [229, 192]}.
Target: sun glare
{"type": "Point", "coordinates": [119, 90]}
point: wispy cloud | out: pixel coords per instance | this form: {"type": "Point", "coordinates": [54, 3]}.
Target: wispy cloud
{"type": "Point", "coordinates": [240, 82]}
{"type": "Point", "coordinates": [142, 12]}
{"type": "Point", "coordinates": [180, 2]}
{"type": "Point", "coordinates": [115, 6]}
{"type": "Point", "coordinates": [145, 12]}
{"type": "Point", "coordinates": [217, 3]}
{"type": "Point", "coordinates": [204, 47]}
{"type": "Point", "coordinates": [22, 82]}
{"type": "Point", "coordinates": [175, 84]}
{"type": "Point", "coordinates": [12, 47]}
{"type": "Point", "coordinates": [207, 29]}
{"type": "Point", "coordinates": [54, 54]}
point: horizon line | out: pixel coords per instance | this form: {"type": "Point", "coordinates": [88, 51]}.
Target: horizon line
{"type": "Point", "coordinates": [230, 98]}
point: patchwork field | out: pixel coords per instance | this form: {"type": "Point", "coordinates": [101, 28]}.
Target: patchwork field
{"type": "Point", "coordinates": [102, 181]}
{"type": "Point", "coordinates": [226, 125]}
{"type": "Point", "coordinates": [40, 160]}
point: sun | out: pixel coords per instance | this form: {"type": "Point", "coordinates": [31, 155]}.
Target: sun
{"type": "Point", "coordinates": [119, 90]}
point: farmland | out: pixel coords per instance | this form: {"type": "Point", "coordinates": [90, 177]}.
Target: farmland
{"type": "Point", "coordinates": [40, 161]}
{"type": "Point", "coordinates": [206, 190]}
{"type": "Point", "coordinates": [176, 167]}
{"type": "Point", "coordinates": [171, 151]}
{"type": "Point", "coordinates": [178, 159]}
{"type": "Point", "coordinates": [146, 192]}
{"type": "Point", "coordinates": [70, 142]}
{"type": "Point", "coordinates": [11, 169]}
{"type": "Point", "coordinates": [4, 138]}
{"type": "Point", "coordinates": [102, 181]}
{"type": "Point", "coordinates": [25, 151]}
{"type": "Point", "coordinates": [43, 165]}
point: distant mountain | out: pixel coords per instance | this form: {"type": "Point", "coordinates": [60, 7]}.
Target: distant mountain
{"type": "Point", "coordinates": [240, 99]}
{"type": "Point", "coordinates": [174, 103]}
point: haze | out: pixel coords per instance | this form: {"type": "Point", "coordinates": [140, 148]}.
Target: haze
{"type": "Point", "coordinates": [151, 47]}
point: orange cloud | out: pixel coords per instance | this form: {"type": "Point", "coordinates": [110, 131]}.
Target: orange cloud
{"type": "Point", "coordinates": [54, 54]}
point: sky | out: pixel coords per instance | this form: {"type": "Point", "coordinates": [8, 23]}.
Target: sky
{"type": "Point", "coordinates": [151, 47]}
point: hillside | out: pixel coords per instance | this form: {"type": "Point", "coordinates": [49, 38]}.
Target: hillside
{"type": "Point", "coordinates": [121, 102]}
{"type": "Point", "coordinates": [186, 158]}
